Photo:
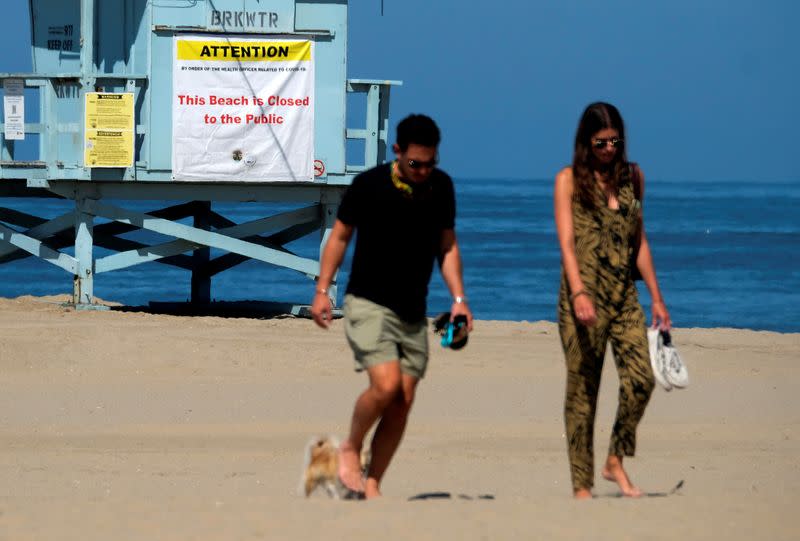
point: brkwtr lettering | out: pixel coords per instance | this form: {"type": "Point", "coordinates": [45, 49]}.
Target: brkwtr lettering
{"type": "Point", "coordinates": [244, 19]}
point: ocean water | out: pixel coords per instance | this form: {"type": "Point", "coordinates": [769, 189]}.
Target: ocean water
{"type": "Point", "coordinates": [727, 254]}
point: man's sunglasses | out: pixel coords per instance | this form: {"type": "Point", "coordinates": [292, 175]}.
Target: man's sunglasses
{"type": "Point", "coordinates": [417, 164]}
{"type": "Point", "coordinates": [603, 143]}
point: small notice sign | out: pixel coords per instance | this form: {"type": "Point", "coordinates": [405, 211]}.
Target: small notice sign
{"type": "Point", "coordinates": [110, 126]}
{"type": "Point", "coordinates": [14, 109]}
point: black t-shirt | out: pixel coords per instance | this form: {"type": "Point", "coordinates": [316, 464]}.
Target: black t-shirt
{"type": "Point", "coordinates": [397, 237]}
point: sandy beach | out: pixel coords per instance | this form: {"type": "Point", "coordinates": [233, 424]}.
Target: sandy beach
{"type": "Point", "coordinates": [133, 425]}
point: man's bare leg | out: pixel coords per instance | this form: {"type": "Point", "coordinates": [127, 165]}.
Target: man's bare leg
{"type": "Point", "coordinates": [384, 385]}
{"type": "Point", "coordinates": [388, 434]}
{"type": "Point", "coordinates": [613, 471]}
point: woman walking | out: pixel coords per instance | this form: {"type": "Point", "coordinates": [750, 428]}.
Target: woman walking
{"type": "Point", "coordinates": [598, 211]}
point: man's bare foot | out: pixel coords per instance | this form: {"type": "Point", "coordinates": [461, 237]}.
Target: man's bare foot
{"type": "Point", "coordinates": [582, 494]}
{"type": "Point", "coordinates": [614, 472]}
{"type": "Point", "coordinates": [350, 467]}
{"type": "Point", "coordinates": [372, 489]}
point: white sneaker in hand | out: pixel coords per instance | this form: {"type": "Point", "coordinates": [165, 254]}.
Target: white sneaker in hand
{"type": "Point", "coordinates": [658, 360]}
{"type": "Point", "coordinates": [676, 371]}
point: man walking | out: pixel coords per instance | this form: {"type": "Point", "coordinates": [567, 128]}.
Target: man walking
{"type": "Point", "coordinates": [404, 217]}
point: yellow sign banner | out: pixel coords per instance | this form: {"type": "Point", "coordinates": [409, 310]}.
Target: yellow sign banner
{"type": "Point", "coordinates": [244, 51]}
{"type": "Point", "coordinates": [110, 125]}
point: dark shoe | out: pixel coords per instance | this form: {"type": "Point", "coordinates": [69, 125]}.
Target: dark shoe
{"type": "Point", "coordinates": [454, 333]}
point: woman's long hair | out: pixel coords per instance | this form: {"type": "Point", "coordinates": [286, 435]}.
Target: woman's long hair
{"type": "Point", "coordinates": [597, 116]}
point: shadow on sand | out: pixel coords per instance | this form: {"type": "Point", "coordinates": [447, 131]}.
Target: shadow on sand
{"type": "Point", "coordinates": [675, 490]}
{"type": "Point", "coordinates": [226, 309]}
{"type": "Point", "coordinates": [449, 496]}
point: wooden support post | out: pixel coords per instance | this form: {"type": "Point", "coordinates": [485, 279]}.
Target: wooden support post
{"type": "Point", "coordinates": [83, 284]}
{"type": "Point", "coordinates": [383, 123]}
{"type": "Point", "coordinates": [201, 280]}
{"type": "Point", "coordinates": [328, 219]}
{"type": "Point", "coordinates": [373, 125]}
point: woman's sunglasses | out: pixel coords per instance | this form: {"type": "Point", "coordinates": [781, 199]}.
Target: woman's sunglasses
{"type": "Point", "coordinates": [603, 143]}
{"type": "Point", "coordinates": [417, 164]}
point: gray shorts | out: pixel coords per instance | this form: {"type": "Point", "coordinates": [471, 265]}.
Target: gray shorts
{"type": "Point", "coordinates": [377, 335]}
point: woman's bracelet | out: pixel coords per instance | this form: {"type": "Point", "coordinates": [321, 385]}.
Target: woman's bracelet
{"type": "Point", "coordinates": [578, 294]}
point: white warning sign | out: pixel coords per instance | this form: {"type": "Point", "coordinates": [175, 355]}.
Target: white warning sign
{"type": "Point", "coordinates": [14, 109]}
{"type": "Point", "coordinates": [243, 109]}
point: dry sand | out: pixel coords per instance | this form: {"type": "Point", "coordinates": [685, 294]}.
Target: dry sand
{"type": "Point", "coordinates": [124, 425]}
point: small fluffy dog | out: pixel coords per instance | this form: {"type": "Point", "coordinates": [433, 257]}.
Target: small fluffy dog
{"type": "Point", "coordinates": [321, 468]}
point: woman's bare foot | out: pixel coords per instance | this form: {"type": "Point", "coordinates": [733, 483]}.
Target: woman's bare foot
{"type": "Point", "coordinates": [372, 489]}
{"type": "Point", "coordinates": [582, 494]}
{"type": "Point", "coordinates": [350, 467]}
{"type": "Point", "coordinates": [614, 472]}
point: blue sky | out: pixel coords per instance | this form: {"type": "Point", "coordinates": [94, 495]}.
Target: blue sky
{"type": "Point", "coordinates": [709, 89]}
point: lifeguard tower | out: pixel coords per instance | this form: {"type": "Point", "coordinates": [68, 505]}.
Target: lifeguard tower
{"type": "Point", "coordinates": [192, 102]}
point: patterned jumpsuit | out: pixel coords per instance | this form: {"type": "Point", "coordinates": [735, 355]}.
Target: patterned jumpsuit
{"type": "Point", "coordinates": [604, 243]}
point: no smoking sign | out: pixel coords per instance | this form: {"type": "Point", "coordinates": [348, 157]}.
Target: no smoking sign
{"type": "Point", "coordinates": [319, 168]}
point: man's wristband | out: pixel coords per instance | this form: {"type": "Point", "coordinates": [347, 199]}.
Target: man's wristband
{"type": "Point", "coordinates": [460, 299]}
{"type": "Point", "coordinates": [322, 291]}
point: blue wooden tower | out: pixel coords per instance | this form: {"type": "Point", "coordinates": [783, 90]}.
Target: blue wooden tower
{"type": "Point", "coordinates": [187, 101]}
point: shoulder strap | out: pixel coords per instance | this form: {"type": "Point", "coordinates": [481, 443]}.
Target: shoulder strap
{"type": "Point", "coordinates": [637, 181]}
